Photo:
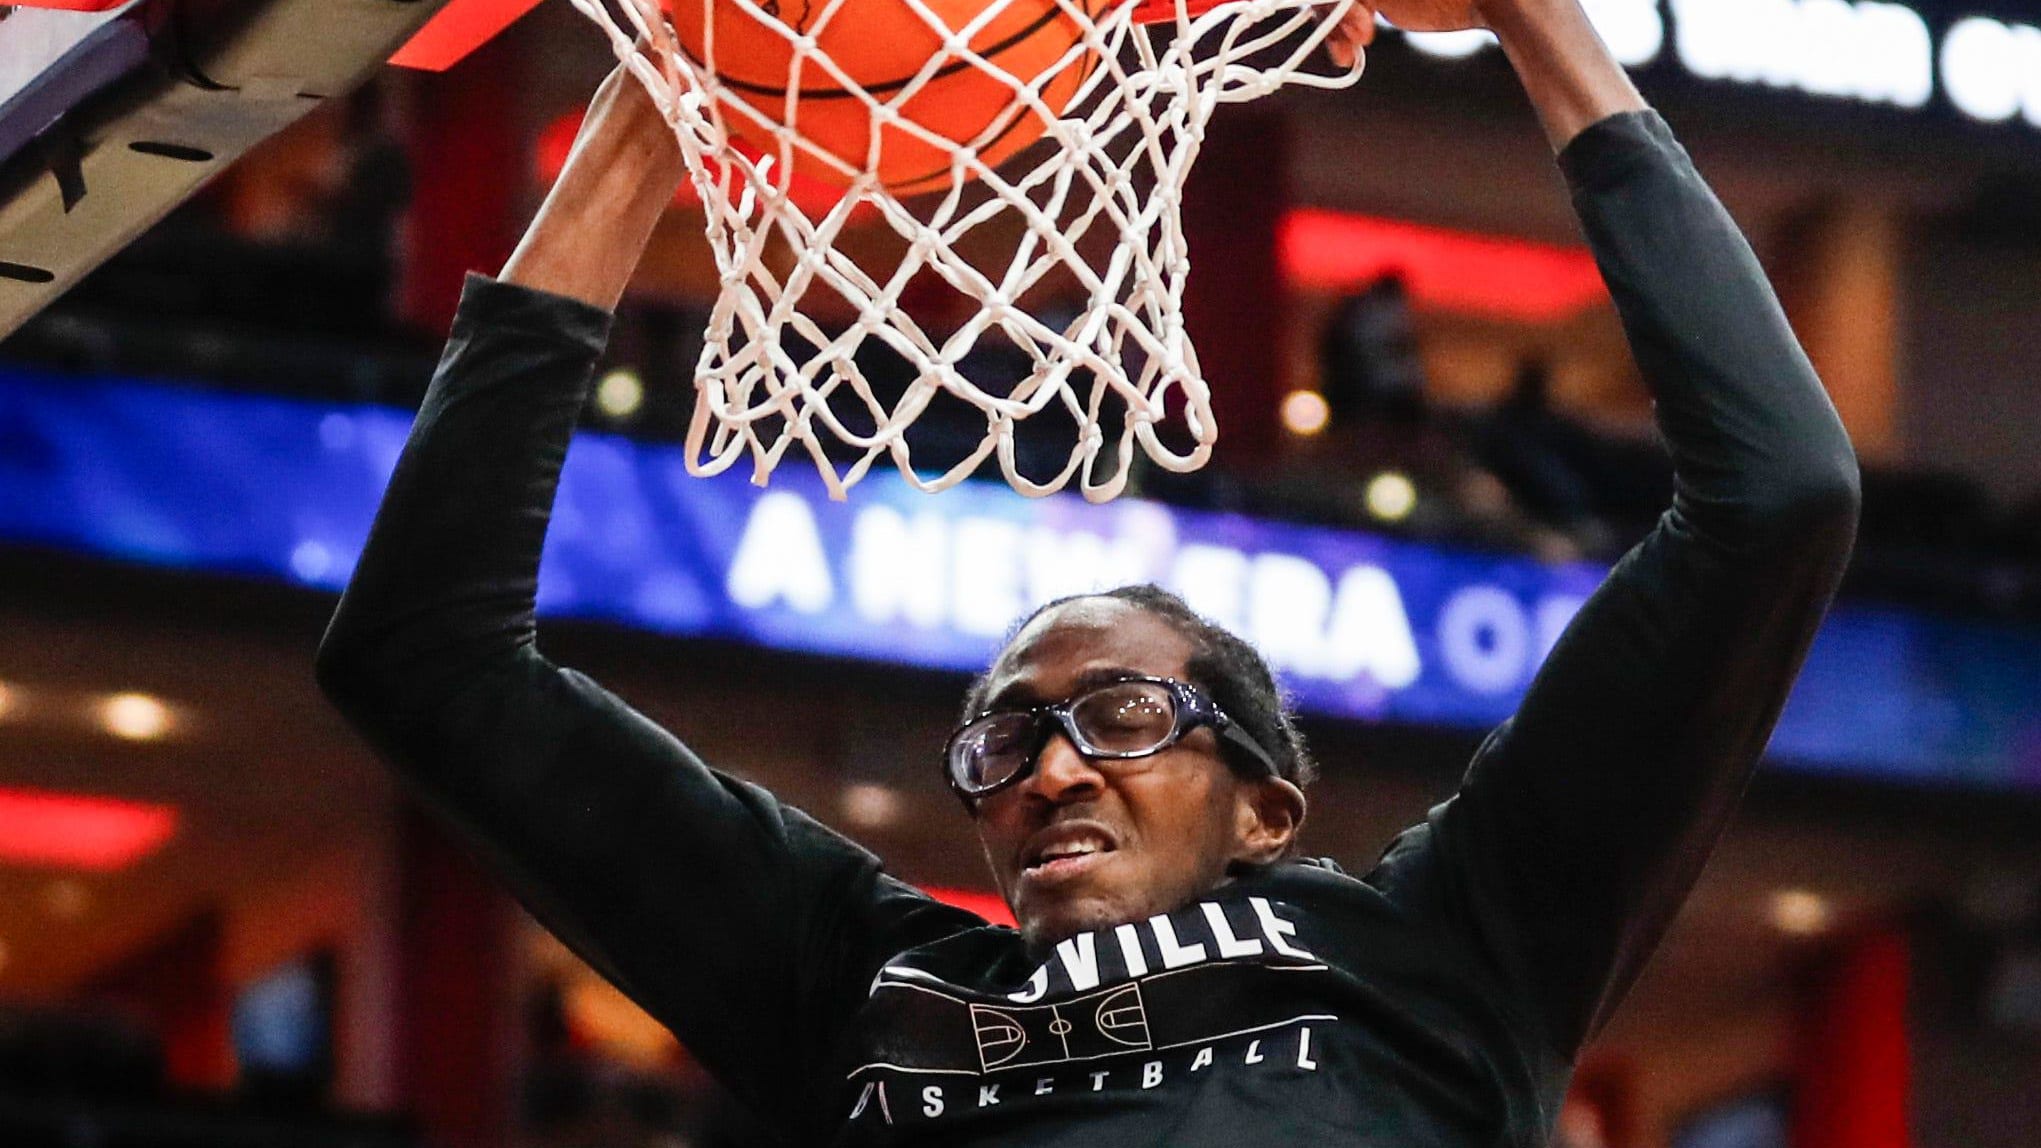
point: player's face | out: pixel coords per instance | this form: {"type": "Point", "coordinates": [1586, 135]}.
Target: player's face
{"type": "Point", "coordinates": [1081, 845]}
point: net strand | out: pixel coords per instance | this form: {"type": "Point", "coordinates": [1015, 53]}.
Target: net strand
{"type": "Point", "coordinates": [1098, 205]}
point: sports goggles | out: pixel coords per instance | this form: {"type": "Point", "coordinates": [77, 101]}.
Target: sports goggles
{"type": "Point", "coordinates": [1124, 720]}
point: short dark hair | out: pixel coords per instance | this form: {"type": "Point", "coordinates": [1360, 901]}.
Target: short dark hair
{"type": "Point", "coordinates": [1223, 664]}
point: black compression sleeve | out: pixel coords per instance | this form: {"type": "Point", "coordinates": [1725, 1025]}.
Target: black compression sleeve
{"type": "Point", "coordinates": [1585, 819]}
{"type": "Point", "coordinates": [747, 927]}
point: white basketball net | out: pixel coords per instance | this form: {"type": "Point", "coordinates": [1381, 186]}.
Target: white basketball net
{"type": "Point", "coordinates": [771, 377]}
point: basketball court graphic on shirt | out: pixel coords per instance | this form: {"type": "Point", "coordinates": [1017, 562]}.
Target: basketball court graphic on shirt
{"type": "Point", "coordinates": [1098, 1025]}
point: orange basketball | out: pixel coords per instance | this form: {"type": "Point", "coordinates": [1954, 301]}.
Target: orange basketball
{"type": "Point", "coordinates": [882, 45]}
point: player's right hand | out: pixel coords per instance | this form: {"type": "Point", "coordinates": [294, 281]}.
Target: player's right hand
{"type": "Point", "coordinates": [1355, 32]}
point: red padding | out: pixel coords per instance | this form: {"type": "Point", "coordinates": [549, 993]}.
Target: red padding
{"type": "Point", "coordinates": [460, 28]}
{"type": "Point", "coordinates": [1447, 270]}
{"type": "Point", "coordinates": [69, 5]}
{"type": "Point", "coordinates": [1854, 1056]}
{"type": "Point", "coordinates": [1156, 11]}
{"type": "Point", "coordinates": [985, 905]}
{"type": "Point", "coordinates": [76, 831]}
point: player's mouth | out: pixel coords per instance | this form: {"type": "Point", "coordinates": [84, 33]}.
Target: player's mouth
{"type": "Point", "coordinates": [1065, 853]}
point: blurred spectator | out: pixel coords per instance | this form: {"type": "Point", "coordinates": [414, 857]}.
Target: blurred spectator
{"type": "Point", "coordinates": [1535, 451]}
{"type": "Point", "coordinates": [1386, 458]}
{"type": "Point", "coordinates": [1368, 354]}
{"type": "Point", "coordinates": [1601, 491]}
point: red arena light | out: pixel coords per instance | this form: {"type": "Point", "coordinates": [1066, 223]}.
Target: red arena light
{"type": "Point", "coordinates": [73, 831]}
{"type": "Point", "coordinates": [985, 905]}
{"type": "Point", "coordinates": [457, 30]}
{"type": "Point", "coordinates": [1446, 270]}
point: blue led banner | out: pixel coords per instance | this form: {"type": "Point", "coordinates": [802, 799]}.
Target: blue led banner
{"type": "Point", "coordinates": [1362, 627]}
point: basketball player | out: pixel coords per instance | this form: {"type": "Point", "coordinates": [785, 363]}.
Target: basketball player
{"type": "Point", "coordinates": [1179, 977]}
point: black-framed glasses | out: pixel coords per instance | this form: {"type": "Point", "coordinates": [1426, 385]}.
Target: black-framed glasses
{"type": "Point", "coordinates": [1122, 720]}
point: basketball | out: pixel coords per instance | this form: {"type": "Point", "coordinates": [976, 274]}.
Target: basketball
{"type": "Point", "coordinates": [883, 47]}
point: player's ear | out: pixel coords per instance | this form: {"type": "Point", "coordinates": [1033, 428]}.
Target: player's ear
{"type": "Point", "coordinates": [1268, 813]}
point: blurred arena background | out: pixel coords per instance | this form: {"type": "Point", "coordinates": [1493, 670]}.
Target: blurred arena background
{"type": "Point", "coordinates": [221, 925]}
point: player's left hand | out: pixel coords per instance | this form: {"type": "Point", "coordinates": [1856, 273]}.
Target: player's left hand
{"type": "Point", "coordinates": [1355, 32]}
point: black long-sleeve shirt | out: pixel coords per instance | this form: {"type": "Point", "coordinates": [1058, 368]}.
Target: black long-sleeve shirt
{"type": "Point", "coordinates": [1439, 999]}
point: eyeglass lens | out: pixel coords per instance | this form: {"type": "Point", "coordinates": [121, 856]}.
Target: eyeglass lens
{"type": "Point", "coordinates": [1129, 717]}
{"type": "Point", "coordinates": [993, 749]}
{"type": "Point", "coordinates": [1125, 718]}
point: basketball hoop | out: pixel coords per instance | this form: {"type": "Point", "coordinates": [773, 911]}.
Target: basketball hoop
{"type": "Point", "coordinates": [1094, 206]}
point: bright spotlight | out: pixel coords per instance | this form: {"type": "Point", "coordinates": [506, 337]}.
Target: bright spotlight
{"type": "Point", "coordinates": [1305, 412]}
{"type": "Point", "coordinates": [1391, 496]}
{"type": "Point", "coordinates": [620, 393]}
{"type": "Point", "coordinates": [1452, 45]}
{"type": "Point", "coordinates": [870, 806]}
{"type": "Point", "coordinates": [134, 717]}
{"type": "Point", "coordinates": [1799, 912]}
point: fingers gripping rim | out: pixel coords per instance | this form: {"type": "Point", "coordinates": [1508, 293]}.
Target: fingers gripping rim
{"type": "Point", "coordinates": [1097, 208]}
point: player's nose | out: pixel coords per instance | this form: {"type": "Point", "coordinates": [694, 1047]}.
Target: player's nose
{"type": "Point", "coordinates": [1064, 774]}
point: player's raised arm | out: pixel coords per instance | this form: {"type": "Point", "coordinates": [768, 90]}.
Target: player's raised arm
{"type": "Point", "coordinates": [1585, 819]}
{"type": "Point", "coordinates": [724, 913]}
{"type": "Point", "coordinates": [588, 237]}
